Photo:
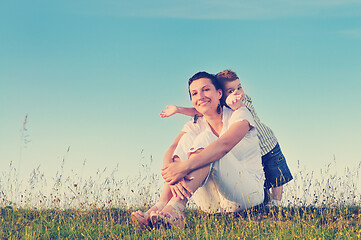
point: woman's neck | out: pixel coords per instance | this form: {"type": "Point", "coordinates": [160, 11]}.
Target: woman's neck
{"type": "Point", "coordinates": [215, 122]}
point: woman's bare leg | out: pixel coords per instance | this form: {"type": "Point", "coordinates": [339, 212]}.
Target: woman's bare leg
{"type": "Point", "coordinates": [198, 176]}
{"type": "Point", "coordinates": [142, 219]}
{"type": "Point", "coordinates": [164, 198]}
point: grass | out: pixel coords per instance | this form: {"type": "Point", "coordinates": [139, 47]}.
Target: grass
{"type": "Point", "coordinates": [273, 223]}
{"type": "Point", "coordinates": [316, 205]}
{"type": "Point", "coordinates": [71, 207]}
{"type": "Point", "coordinates": [326, 207]}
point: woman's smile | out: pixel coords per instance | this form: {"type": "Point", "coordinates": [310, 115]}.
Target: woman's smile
{"type": "Point", "coordinates": [203, 102]}
{"type": "Point", "coordinates": [205, 97]}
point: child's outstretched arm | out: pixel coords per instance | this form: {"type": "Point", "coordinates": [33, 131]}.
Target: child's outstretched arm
{"type": "Point", "coordinates": [173, 109]}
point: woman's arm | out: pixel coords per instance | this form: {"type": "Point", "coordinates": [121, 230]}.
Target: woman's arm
{"type": "Point", "coordinates": [168, 157]}
{"type": "Point", "coordinates": [172, 109]}
{"type": "Point", "coordinates": [216, 150]}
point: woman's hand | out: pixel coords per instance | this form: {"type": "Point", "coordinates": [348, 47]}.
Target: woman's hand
{"type": "Point", "coordinates": [181, 189]}
{"type": "Point", "coordinates": [174, 172]}
{"type": "Point", "coordinates": [171, 110]}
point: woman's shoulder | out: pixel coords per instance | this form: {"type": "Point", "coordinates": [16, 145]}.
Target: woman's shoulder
{"type": "Point", "coordinates": [227, 111]}
{"type": "Point", "coordinates": [241, 111]}
{"type": "Point", "coordinates": [195, 125]}
{"type": "Point", "coordinates": [242, 114]}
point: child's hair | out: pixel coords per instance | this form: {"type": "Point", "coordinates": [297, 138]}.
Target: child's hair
{"type": "Point", "coordinates": [226, 75]}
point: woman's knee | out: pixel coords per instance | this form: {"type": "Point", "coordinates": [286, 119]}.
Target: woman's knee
{"type": "Point", "coordinates": [206, 137]}
{"type": "Point", "coordinates": [198, 177]}
{"type": "Point", "coordinates": [184, 145]}
{"type": "Point", "coordinates": [202, 141]}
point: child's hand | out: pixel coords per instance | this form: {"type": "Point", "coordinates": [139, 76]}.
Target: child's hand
{"type": "Point", "coordinates": [171, 110]}
{"type": "Point", "coordinates": [234, 101]}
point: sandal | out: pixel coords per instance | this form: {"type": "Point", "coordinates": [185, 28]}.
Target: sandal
{"type": "Point", "coordinates": [139, 220]}
{"type": "Point", "coordinates": [167, 220]}
{"type": "Point", "coordinates": [143, 221]}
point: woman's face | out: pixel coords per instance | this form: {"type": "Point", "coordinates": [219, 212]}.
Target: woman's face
{"type": "Point", "coordinates": [205, 97]}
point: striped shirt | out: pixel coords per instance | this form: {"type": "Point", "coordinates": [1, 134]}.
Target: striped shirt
{"type": "Point", "coordinates": [267, 139]}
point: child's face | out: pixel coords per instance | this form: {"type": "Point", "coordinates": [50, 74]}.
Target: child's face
{"type": "Point", "coordinates": [233, 87]}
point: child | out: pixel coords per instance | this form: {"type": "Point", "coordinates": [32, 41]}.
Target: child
{"type": "Point", "coordinates": [276, 170]}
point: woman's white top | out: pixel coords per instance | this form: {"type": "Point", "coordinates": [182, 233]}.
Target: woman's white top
{"type": "Point", "coordinates": [247, 151]}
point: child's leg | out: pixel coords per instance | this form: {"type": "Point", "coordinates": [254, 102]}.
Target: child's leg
{"type": "Point", "coordinates": [277, 193]}
{"type": "Point", "coordinates": [276, 171]}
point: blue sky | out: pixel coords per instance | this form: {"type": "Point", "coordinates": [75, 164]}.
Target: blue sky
{"type": "Point", "coordinates": [94, 75]}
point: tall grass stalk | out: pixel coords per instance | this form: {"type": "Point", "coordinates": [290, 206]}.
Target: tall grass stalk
{"type": "Point", "coordinates": [325, 187]}
{"type": "Point", "coordinates": [24, 140]}
{"type": "Point", "coordinates": [107, 189]}
{"type": "Point", "coordinates": [70, 190]}
{"type": "Point", "coordinates": [315, 206]}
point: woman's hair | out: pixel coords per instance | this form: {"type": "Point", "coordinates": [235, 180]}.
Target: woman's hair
{"type": "Point", "coordinates": [214, 81]}
{"type": "Point", "coordinates": [200, 75]}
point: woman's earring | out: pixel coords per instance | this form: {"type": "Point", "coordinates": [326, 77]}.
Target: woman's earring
{"type": "Point", "coordinates": [219, 109]}
{"type": "Point", "coordinates": [195, 118]}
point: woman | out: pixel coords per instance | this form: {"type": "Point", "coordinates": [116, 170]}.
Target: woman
{"type": "Point", "coordinates": [218, 156]}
